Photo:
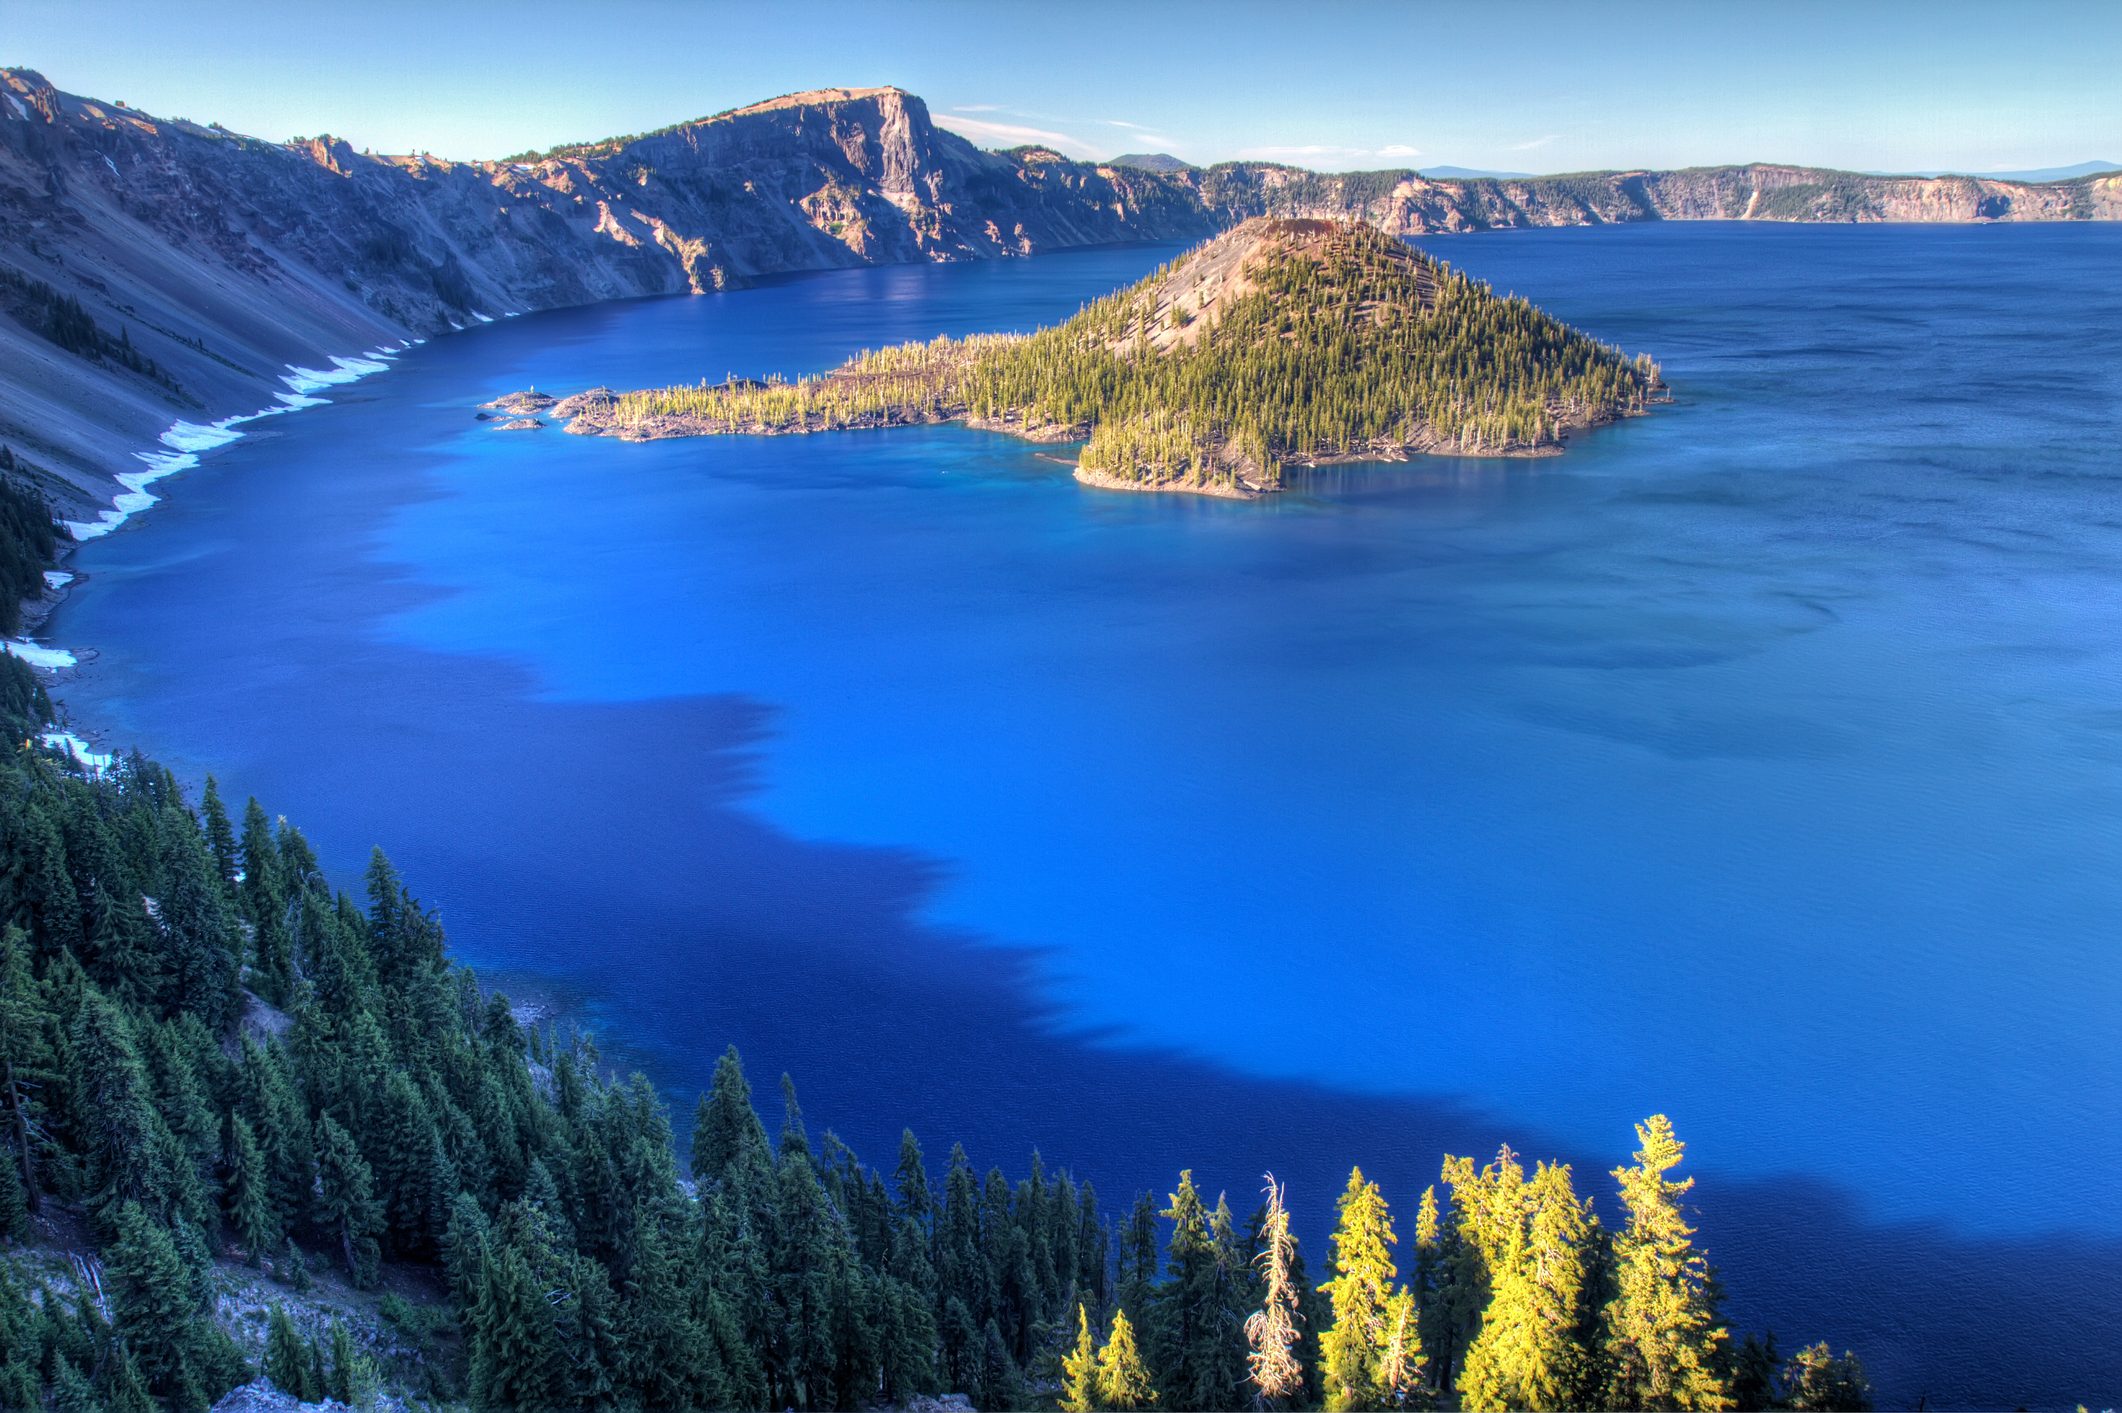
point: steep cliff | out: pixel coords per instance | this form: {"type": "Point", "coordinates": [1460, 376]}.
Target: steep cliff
{"type": "Point", "coordinates": [1407, 203]}
{"type": "Point", "coordinates": [154, 270]}
{"type": "Point", "coordinates": [204, 262]}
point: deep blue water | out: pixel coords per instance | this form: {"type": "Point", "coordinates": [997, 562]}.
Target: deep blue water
{"type": "Point", "coordinates": [1759, 762]}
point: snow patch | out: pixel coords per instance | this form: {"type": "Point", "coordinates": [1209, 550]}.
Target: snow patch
{"type": "Point", "coordinates": [190, 436]}
{"type": "Point", "coordinates": [112, 165]}
{"type": "Point", "coordinates": [37, 655]}
{"type": "Point", "coordinates": [16, 104]}
{"type": "Point", "coordinates": [482, 318]}
{"type": "Point", "coordinates": [186, 440]}
{"type": "Point", "coordinates": [343, 370]}
{"type": "Point", "coordinates": [57, 578]}
{"type": "Point", "coordinates": [75, 749]}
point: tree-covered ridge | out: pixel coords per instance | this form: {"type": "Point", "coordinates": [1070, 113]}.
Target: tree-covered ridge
{"type": "Point", "coordinates": [1281, 341]}
{"type": "Point", "coordinates": [211, 1060]}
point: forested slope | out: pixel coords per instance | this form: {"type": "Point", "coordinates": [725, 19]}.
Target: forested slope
{"type": "Point", "coordinates": [212, 1060]}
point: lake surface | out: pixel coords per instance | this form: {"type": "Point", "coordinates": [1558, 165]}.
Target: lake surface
{"type": "Point", "coordinates": [1758, 762]}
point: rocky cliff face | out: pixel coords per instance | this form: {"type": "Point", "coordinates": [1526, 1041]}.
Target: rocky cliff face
{"type": "Point", "coordinates": [1406, 203]}
{"type": "Point", "coordinates": [219, 259]}
{"type": "Point", "coordinates": [153, 270]}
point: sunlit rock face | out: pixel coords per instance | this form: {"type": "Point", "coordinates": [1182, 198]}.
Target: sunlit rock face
{"type": "Point", "coordinates": [222, 260]}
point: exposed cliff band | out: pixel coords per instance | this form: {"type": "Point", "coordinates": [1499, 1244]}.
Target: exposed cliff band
{"type": "Point", "coordinates": [156, 270]}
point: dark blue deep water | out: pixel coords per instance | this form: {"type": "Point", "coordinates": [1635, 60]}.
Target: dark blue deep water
{"type": "Point", "coordinates": [1759, 762]}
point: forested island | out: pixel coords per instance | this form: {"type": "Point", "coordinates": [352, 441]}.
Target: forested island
{"type": "Point", "coordinates": [1282, 342]}
{"type": "Point", "coordinates": [252, 1127]}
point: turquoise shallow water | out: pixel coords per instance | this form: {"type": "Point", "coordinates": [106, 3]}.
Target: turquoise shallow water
{"type": "Point", "coordinates": [1757, 761]}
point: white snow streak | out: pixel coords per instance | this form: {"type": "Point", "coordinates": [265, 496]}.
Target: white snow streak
{"type": "Point", "coordinates": [37, 655]}
{"type": "Point", "coordinates": [77, 750]}
{"type": "Point", "coordinates": [186, 440]}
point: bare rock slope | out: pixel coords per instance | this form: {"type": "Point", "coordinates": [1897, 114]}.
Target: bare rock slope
{"type": "Point", "coordinates": [220, 259]}
{"type": "Point", "coordinates": [155, 270]}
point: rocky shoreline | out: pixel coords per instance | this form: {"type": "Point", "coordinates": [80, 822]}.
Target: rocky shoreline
{"type": "Point", "coordinates": [241, 257]}
{"type": "Point", "coordinates": [589, 413]}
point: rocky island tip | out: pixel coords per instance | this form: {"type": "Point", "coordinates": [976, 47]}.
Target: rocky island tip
{"type": "Point", "coordinates": [1278, 343]}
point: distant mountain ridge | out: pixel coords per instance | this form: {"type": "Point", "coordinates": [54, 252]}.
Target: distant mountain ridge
{"type": "Point", "coordinates": [1465, 173]}
{"type": "Point", "coordinates": [188, 265]}
{"type": "Point", "coordinates": [2045, 174]}
{"type": "Point", "coordinates": [1152, 162]}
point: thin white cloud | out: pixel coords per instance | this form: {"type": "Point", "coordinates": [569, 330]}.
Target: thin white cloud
{"type": "Point", "coordinates": [1536, 142]}
{"type": "Point", "coordinates": [1332, 153]}
{"type": "Point", "coordinates": [977, 108]}
{"type": "Point", "coordinates": [1140, 137]}
{"type": "Point", "coordinates": [993, 134]}
{"type": "Point", "coordinates": [1308, 149]}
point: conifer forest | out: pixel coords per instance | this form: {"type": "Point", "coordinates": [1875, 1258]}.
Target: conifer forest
{"type": "Point", "coordinates": [209, 1056]}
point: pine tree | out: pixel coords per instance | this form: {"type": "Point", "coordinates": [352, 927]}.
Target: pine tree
{"type": "Point", "coordinates": [963, 1284]}
{"type": "Point", "coordinates": [1815, 1381]}
{"type": "Point", "coordinates": [809, 1256]}
{"type": "Point", "coordinates": [346, 1201]}
{"type": "Point", "coordinates": [288, 1359]}
{"type": "Point", "coordinates": [1663, 1344]}
{"type": "Point", "coordinates": [1138, 1257]}
{"type": "Point", "coordinates": [155, 1301]}
{"type": "Point", "coordinates": [662, 1349]}
{"type": "Point", "coordinates": [1401, 1361]}
{"type": "Point", "coordinates": [353, 1377]}
{"type": "Point", "coordinates": [199, 936]}
{"type": "Point", "coordinates": [1362, 1368]}
{"type": "Point", "coordinates": [1428, 1284]}
{"type": "Point", "coordinates": [220, 838]}
{"type": "Point", "coordinates": [246, 1193]}
{"type": "Point", "coordinates": [294, 1268]}
{"type": "Point", "coordinates": [1184, 1336]}
{"type": "Point", "coordinates": [729, 1142]}
{"type": "Point", "coordinates": [125, 1388]}
{"type": "Point", "coordinates": [1272, 1329]}
{"type": "Point", "coordinates": [22, 1052]}
{"type": "Point", "coordinates": [264, 900]}
{"type": "Point", "coordinates": [126, 1144]}
{"type": "Point", "coordinates": [514, 1360]}
{"type": "Point", "coordinates": [916, 1202]}
{"type": "Point", "coordinates": [795, 1138]}
{"type": "Point", "coordinates": [14, 1203]}
{"type": "Point", "coordinates": [1537, 1240]}
{"type": "Point", "coordinates": [998, 1385]}
{"type": "Point", "coordinates": [1124, 1381]}
{"type": "Point", "coordinates": [71, 1390]}
{"type": "Point", "coordinates": [1753, 1384]}
{"type": "Point", "coordinates": [1079, 1369]}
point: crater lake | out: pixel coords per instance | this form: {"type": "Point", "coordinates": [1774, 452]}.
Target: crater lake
{"type": "Point", "coordinates": [1758, 762]}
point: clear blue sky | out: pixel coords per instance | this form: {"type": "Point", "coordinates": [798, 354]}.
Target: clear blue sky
{"type": "Point", "coordinates": [1518, 86]}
